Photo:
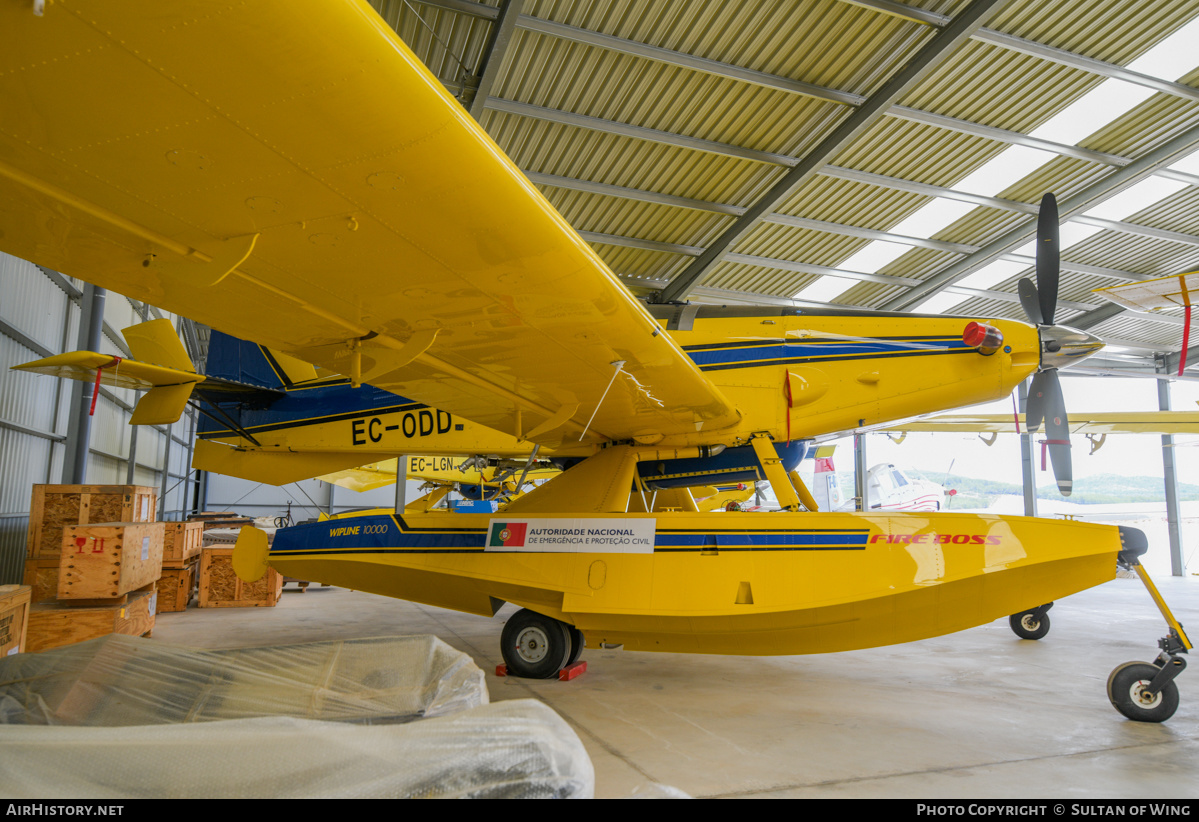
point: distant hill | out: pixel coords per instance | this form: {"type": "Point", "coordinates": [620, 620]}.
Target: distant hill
{"type": "Point", "coordinates": [1095, 490]}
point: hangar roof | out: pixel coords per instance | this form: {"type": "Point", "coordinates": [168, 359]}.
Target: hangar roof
{"type": "Point", "coordinates": [857, 153]}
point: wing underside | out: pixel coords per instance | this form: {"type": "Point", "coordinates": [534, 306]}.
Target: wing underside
{"type": "Point", "coordinates": [288, 172]}
{"type": "Point", "coordinates": [1116, 422]}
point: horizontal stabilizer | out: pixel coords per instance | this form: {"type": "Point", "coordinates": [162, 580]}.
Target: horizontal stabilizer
{"type": "Point", "coordinates": [162, 405]}
{"type": "Point", "coordinates": [271, 467]}
{"type": "Point", "coordinates": [115, 372]}
{"type": "Point", "coordinates": [364, 477]}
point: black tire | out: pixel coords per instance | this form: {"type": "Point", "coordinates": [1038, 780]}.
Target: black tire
{"type": "Point", "coordinates": [576, 646]}
{"type": "Point", "coordinates": [1125, 690]}
{"type": "Point", "coordinates": [1027, 626]}
{"type": "Point", "coordinates": [535, 646]}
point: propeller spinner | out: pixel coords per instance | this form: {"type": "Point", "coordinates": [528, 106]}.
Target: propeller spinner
{"type": "Point", "coordinates": [1060, 347]}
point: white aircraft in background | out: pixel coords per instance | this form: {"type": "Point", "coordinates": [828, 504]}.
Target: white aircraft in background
{"type": "Point", "coordinates": [888, 489]}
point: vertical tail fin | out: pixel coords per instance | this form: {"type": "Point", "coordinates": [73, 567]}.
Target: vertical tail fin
{"type": "Point", "coordinates": [826, 488]}
{"type": "Point", "coordinates": [249, 363]}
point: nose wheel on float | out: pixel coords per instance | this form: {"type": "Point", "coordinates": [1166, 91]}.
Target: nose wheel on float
{"type": "Point", "coordinates": [1031, 624]}
{"type": "Point", "coordinates": [1144, 691]}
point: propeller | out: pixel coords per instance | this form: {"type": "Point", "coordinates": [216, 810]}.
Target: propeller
{"type": "Point", "coordinates": [1045, 401]}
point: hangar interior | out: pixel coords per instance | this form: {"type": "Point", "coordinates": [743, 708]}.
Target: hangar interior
{"type": "Point", "coordinates": [859, 154]}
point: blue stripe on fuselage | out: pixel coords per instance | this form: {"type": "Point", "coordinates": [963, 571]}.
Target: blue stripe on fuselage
{"type": "Point", "coordinates": [772, 353]}
{"type": "Point", "coordinates": [381, 534]}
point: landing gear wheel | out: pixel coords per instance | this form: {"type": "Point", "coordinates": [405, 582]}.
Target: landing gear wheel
{"type": "Point", "coordinates": [1126, 690]}
{"type": "Point", "coordinates": [535, 646]}
{"type": "Point", "coordinates": [1028, 625]}
{"type": "Point", "coordinates": [576, 646]}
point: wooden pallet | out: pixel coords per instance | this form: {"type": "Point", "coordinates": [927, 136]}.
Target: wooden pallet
{"type": "Point", "coordinates": [56, 623]}
{"type": "Point", "coordinates": [56, 506]}
{"type": "Point", "coordinates": [220, 587]}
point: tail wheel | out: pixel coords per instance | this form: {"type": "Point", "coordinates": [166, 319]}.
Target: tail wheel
{"type": "Point", "coordinates": [535, 646]}
{"type": "Point", "coordinates": [1126, 690]}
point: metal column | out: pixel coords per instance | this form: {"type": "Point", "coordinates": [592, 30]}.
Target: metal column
{"type": "Point", "coordinates": [1028, 467]}
{"type": "Point", "coordinates": [859, 472]}
{"type": "Point", "coordinates": [166, 473]}
{"type": "Point", "coordinates": [1170, 477]}
{"type": "Point", "coordinates": [131, 469]}
{"type": "Point", "coordinates": [401, 483]}
{"type": "Point", "coordinates": [79, 427]}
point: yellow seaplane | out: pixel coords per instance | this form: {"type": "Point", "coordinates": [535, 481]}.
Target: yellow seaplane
{"type": "Point", "coordinates": [271, 194]}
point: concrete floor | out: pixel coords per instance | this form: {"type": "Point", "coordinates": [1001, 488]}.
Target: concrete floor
{"type": "Point", "coordinates": [979, 714]}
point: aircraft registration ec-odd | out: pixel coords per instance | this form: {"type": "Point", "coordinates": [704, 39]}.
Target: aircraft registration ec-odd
{"type": "Point", "coordinates": [270, 195]}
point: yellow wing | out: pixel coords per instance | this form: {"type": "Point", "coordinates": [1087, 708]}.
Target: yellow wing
{"type": "Point", "coordinates": [1118, 422]}
{"type": "Point", "coordinates": [289, 172]}
{"type": "Point", "coordinates": [1149, 295]}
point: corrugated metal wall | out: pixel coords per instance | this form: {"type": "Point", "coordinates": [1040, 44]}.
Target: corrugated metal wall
{"type": "Point", "coordinates": [39, 317]}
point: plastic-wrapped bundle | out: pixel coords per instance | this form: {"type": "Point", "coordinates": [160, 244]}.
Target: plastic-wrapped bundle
{"type": "Point", "coordinates": [123, 680]}
{"type": "Point", "coordinates": [512, 749]}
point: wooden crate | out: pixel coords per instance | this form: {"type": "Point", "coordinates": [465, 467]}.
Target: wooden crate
{"type": "Point", "coordinates": [14, 618]}
{"type": "Point", "coordinates": [177, 586]}
{"type": "Point", "coordinates": [108, 560]}
{"type": "Point", "coordinates": [56, 506]}
{"type": "Point", "coordinates": [57, 623]}
{"type": "Point", "coordinates": [181, 543]}
{"type": "Point", "coordinates": [41, 575]}
{"type": "Point", "coordinates": [221, 588]}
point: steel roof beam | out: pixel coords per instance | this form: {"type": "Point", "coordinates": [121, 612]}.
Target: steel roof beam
{"type": "Point", "coordinates": [1003, 135]}
{"type": "Point", "coordinates": [1050, 53]}
{"type": "Point", "coordinates": [498, 41]}
{"type": "Point", "coordinates": [930, 55]}
{"type": "Point", "coordinates": [836, 228]}
{"type": "Point", "coordinates": [1093, 194]}
{"type": "Point", "coordinates": [690, 61]}
{"type": "Point", "coordinates": [464, 7]}
{"type": "Point", "coordinates": [652, 135]}
{"type": "Point", "coordinates": [1096, 316]}
{"type": "Point", "coordinates": [996, 38]}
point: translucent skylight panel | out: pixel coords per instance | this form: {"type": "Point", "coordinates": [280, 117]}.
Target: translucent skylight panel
{"type": "Point", "coordinates": [1136, 198]}
{"type": "Point", "coordinates": [825, 289]}
{"type": "Point", "coordinates": [991, 274]}
{"type": "Point", "coordinates": [937, 304]}
{"type": "Point", "coordinates": [1172, 57]}
{"type": "Point", "coordinates": [1110, 100]}
{"type": "Point", "coordinates": [1188, 164]}
{"type": "Point", "coordinates": [1008, 167]}
{"type": "Point", "coordinates": [875, 255]}
{"type": "Point", "coordinates": [1101, 105]}
{"type": "Point", "coordinates": [932, 217]}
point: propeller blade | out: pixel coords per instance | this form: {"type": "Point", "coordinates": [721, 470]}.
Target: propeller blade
{"type": "Point", "coordinates": [1036, 403]}
{"type": "Point", "coordinates": [1048, 247]}
{"type": "Point", "coordinates": [1030, 301]}
{"type": "Point", "coordinates": [1057, 433]}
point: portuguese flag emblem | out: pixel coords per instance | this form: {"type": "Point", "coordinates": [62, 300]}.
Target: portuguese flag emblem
{"type": "Point", "coordinates": [507, 535]}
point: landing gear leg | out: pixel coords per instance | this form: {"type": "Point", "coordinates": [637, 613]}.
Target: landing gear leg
{"type": "Point", "coordinates": [1142, 691]}
{"type": "Point", "coordinates": [1031, 624]}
